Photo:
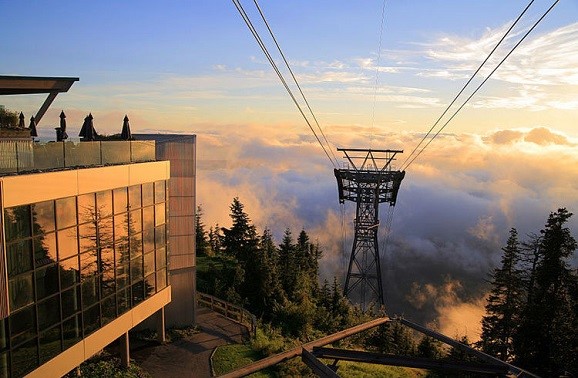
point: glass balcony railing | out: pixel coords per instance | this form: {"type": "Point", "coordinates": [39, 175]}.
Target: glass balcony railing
{"type": "Point", "coordinates": [26, 156]}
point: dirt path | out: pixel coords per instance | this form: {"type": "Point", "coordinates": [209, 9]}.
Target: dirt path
{"type": "Point", "coordinates": [189, 357]}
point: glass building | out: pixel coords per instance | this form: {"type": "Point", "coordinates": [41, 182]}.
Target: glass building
{"type": "Point", "coordinates": [85, 259]}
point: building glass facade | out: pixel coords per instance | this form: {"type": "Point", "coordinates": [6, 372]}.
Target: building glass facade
{"type": "Point", "coordinates": [74, 264]}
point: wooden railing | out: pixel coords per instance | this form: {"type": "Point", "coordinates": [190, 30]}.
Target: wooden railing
{"type": "Point", "coordinates": [229, 310]}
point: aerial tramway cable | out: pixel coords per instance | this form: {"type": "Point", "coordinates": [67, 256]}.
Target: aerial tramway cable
{"type": "Point", "coordinates": [263, 47]}
{"type": "Point", "coordinates": [482, 83]}
{"type": "Point", "coordinates": [466, 85]}
{"type": "Point", "coordinates": [294, 78]}
{"type": "Point", "coordinates": [377, 71]}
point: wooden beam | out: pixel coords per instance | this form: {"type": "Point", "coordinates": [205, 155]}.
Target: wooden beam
{"type": "Point", "coordinates": [318, 367]}
{"type": "Point", "coordinates": [275, 359]}
{"type": "Point", "coordinates": [456, 344]}
{"type": "Point", "coordinates": [408, 361]}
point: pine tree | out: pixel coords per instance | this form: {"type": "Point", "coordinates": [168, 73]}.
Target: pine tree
{"type": "Point", "coordinates": [263, 289]}
{"type": "Point", "coordinates": [546, 341]}
{"type": "Point", "coordinates": [215, 239]}
{"type": "Point", "coordinates": [504, 303]}
{"type": "Point", "coordinates": [287, 264]}
{"type": "Point", "coordinates": [201, 241]}
{"type": "Point", "coordinates": [241, 239]}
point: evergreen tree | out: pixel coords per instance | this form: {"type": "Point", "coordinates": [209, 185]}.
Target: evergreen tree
{"type": "Point", "coordinates": [215, 239]}
{"type": "Point", "coordinates": [287, 264]}
{"type": "Point", "coordinates": [504, 303]}
{"type": "Point", "coordinates": [241, 239]}
{"type": "Point", "coordinates": [530, 258]}
{"type": "Point", "coordinates": [546, 341]}
{"type": "Point", "coordinates": [262, 288]}
{"type": "Point", "coordinates": [429, 348]}
{"type": "Point", "coordinates": [201, 241]}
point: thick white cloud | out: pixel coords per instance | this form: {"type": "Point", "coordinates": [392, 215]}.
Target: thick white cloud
{"type": "Point", "coordinates": [455, 208]}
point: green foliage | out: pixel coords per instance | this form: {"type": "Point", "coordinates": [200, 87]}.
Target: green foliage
{"type": "Point", "coordinates": [429, 348]}
{"type": "Point", "coordinates": [505, 302]}
{"type": "Point", "coordinates": [107, 366]}
{"type": "Point", "coordinates": [546, 341]}
{"type": "Point", "coordinates": [201, 240]}
{"type": "Point", "coordinates": [8, 118]}
{"type": "Point", "coordinates": [230, 357]}
{"type": "Point", "coordinates": [531, 314]}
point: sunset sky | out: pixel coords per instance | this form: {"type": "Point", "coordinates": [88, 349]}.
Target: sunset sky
{"type": "Point", "coordinates": [507, 160]}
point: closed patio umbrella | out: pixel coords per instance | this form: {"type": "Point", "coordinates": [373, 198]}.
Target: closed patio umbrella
{"type": "Point", "coordinates": [87, 132]}
{"type": "Point", "coordinates": [125, 134]}
{"type": "Point", "coordinates": [63, 134]}
{"type": "Point", "coordinates": [32, 127]}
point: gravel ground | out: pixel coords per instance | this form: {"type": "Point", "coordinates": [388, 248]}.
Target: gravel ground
{"type": "Point", "coordinates": [189, 357]}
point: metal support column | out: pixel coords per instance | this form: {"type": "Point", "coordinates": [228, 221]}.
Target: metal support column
{"type": "Point", "coordinates": [368, 180]}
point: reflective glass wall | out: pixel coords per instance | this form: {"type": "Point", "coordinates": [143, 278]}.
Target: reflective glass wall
{"type": "Point", "coordinates": [76, 263]}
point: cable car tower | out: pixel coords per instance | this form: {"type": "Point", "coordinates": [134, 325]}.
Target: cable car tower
{"type": "Point", "coordinates": [368, 181]}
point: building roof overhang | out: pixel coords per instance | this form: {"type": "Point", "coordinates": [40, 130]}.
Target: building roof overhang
{"type": "Point", "coordinates": [19, 85]}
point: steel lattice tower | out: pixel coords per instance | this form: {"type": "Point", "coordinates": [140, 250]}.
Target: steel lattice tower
{"type": "Point", "coordinates": [367, 181]}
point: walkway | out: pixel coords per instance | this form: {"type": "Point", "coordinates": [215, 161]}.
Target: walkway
{"type": "Point", "coordinates": [189, 357]}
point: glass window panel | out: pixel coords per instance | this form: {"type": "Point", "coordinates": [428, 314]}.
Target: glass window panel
{"type": "Point", "coordinates": [4, 364]}
{"type": "Point", "coordinates": [17, 221]}
{"type": "Point", "coordinates": [122, 276]}
{"type": "Point", "coordinates": [22, 325]}
{"type": "Point", "coordinates": [149, 263]}
{"type": "Point", "coordinates": [108, 309]}
{"type": "Point", "coordinates": [104, 203]}
{"type": "Point", "coordinates": [87, 237]}
{"type": "Point", "coordinates": [149, 240]}
{"type": "Point", "coordinates": [162, 279]}
{"type": "Point", "coordinates": [43, 217]}
{"type": "Point", "coordinates": [136, 269]}
{"type": "Point", "coordinates": [160, 237]}
{"type": "Point", "coordinates": [147, 194]}
{"type": "Point", "coordinates": [159, 214]}
{"type": "Point", "coordinates": [123, 300]}
{"type": "Point", "coordinates": [70, 302]}
{"type": "Point", "coordinates": [150, 286]}
{"type": "Point", "coordinates": [134, 196]}
{"type": "Point", "coordinates": [45, 250]}
{"type": "Point", "coordinates": [105, 232]}
{"type": "Point", "coordinates": [50, 344]}
{"type": "Point", "coordinates": [90, 291]}
{"type": "Point", "coordinates": [120, 200]}
{"type": "Point", "coordinates": [21, 291]}
{"type": "Point", "coordinates": [106, 260]}
{"type": "Point", "coordinates": [88, 265]}
{"type": "Point", "coordinates": [65, 212]}
{"type": "Point", "coordinates": [86, 208]}
{"type": "Point", "coordinates": [19, 255]}
{"type": "Point", "coordinates": [67, 243]}
{"type": "Point", "coordinates": [136, 247]}
{"type": "Point", "coordinates": [135, 221]}
{"type": "Point", "coordinates": [148, 216]}
{"type": "Point", "coordinates": [107, 268]}
{"type": "Point", "coordinates": [160, 191]}
{"type": "Point", "coordinates": [91, 319]}
{"type": "Point", "coordinates": [69, 272]}
{"type": "Point", "coordinates": [71, 331]}
{"type": "Point", "coordinates": [161, 258]}
{"type": "Point", "coordinates": [121, 253]}
{"type": "Point", "coordinates": [120, 228]}
{"type": "Point", "coordinates": [49, 312]}
{"type": "Point", "coordinates": [108, 285]}
{"type": "Point", "coordinates": [137, 293]}
{"type": "Point", "coordinates": [24, 358]}
{"type": "Point", "coordinates": [46, 281]}
{"type": "Point", "coordinates": [3, 336]}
